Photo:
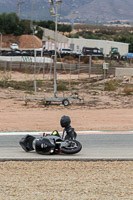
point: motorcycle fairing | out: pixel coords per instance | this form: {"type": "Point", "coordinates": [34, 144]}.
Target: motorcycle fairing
{"type": "Point", "coordinates": [26, 143]}
{"type": "Point", "coordinates": [44, 145]}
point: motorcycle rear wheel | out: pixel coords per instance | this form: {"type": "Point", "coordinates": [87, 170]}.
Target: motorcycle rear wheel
{"type": "Point", "coordinates": [73, 147]}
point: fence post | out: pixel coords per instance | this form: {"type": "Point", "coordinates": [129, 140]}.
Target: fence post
{"type": "Point", "coordinates": [79, 67]}
{"type": "Point", "coordinates": [90, 58]}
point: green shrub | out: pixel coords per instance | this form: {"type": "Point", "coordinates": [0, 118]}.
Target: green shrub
{"type": "Point", "coordinates": [27, 85]}
{"type": "Point", "coordinates": [61, 87]}
{"type": "Point", "coordinates": [112, 85]}
{"type": "Point", "coordinates": [109, 86]}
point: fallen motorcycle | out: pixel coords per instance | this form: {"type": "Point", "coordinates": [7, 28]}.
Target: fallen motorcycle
{"type": "Point", "coordinates": [50, 144]}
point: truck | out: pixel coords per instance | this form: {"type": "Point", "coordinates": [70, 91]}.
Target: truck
{"type": "Point", "coordinates": [50, 45]}
{"type": "Point", "coordinates": [114, 53]}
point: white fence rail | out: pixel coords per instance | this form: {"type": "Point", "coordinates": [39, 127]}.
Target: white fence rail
{"type": "Point", "coordinates": [26, 59]}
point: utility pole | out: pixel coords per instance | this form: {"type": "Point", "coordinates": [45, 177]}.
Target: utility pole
{"type": "Point", "coordinates": [54, 12]}
{"type": "Point", "coordinates": [33, 28]}
{"type": "Point", "coordinates": [55, 58]}
{"type": "Point", "coordinates": [1, 43]}
{"type": "Point", "coordinates": [18, 6]}
{"type": "Point", "coordinates": [32, 9]}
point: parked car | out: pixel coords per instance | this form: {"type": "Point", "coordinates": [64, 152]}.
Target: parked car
{"type": "Point", "coordinates": [65, 52]}
{"type": "Point", "coordinates": [76, 54]}
{"type": "Point", "coordinates": [52, 53]}
{"type": "Point", "coordinates": [46, 53]}
{"type": "Point", "coordinates": [17, 52]}
{"type": "Point", "coordinates": [86, 51]}
{"type": "Point", "coordinates": [25, 53]}
{"type": "Point", "coordinates": [11, 53]}
{"type": "Point", "coordinates": [14, 46]}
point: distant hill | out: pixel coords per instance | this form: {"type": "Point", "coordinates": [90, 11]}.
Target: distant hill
{"type": "Point", "coordinates": [83, 10]}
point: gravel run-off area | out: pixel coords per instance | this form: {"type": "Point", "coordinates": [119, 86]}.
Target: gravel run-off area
{"type": "Point", "coordinates": [65, 180]}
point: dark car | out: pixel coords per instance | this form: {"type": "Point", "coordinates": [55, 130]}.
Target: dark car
{"type": "Point", "coordinates": [86, 51]}
{"type": "Point", "coordinates": [46, 53]}
{"type": "Point", "coordinates": [52, 53]}
{"type": "Point", "coordinates": [25, 53]}
{"type": "Point", "coordinates": [11, 53]}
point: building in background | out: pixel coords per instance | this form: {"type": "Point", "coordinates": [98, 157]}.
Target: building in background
{"type": "Point", "coordinates": [104, 45]}
{"type": "Point", "coordinates": [76, 44]}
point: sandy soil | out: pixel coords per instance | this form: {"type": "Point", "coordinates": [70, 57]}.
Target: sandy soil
{"type": "Point", "coordinates": [101, 112]}
{"type": "Point", "coordinates": [23, 41]}
{"type": "Point", "coordinates": [15, 116]}
{"type": "Point", "coordinates": [65, 180]}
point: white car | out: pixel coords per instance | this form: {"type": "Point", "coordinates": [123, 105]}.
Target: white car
{"type": "Point", "coordinates": [66, 51]}
{"type": "Point", "coordinates": [14, 46]}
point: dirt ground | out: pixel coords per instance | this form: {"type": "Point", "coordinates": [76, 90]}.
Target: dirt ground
{"type": "Point", "coordinates": [57, 180]}
{"type": "Point", "coordinates": [98, 111]}
{"type": "Point", "coordinates": [23, 41]}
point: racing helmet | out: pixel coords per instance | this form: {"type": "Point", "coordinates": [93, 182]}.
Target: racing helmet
{"type": "Point", "coordinates": [65, 121]}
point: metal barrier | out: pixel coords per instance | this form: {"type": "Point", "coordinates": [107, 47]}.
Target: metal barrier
{"type": "Point", "coordinates": [26, 59]}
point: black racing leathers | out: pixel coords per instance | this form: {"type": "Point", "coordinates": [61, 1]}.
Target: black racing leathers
{"type": "Point", "coordinates": [69, 133]}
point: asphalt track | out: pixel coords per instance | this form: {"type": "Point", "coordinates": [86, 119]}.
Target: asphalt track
{"type": "Point", "coordinates": [97, 145]}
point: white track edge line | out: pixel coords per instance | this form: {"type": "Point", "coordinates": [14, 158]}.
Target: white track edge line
{"type": "Point", "coordinates": [78, 132]}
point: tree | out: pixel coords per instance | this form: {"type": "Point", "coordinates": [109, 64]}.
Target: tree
{"type": "Point", "coordinates": [26, 26]}
{"type": "Point", "coordinates": [51, 25]}
{"type": "Point", "coordinates": [11, 22]}
{"type": "Point", "coordinates": [64, 28]}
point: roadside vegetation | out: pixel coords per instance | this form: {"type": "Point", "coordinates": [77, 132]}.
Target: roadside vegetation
{"type": "Point", "coordinates": [112, 85]}
{"type": "Point", "coordinates": [85, 85]}
{"type": "Point", "coordinates": [11, 24]}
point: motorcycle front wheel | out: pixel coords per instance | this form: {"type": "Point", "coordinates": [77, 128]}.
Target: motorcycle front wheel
{"type": "Point", "coordinates": [72, 147]}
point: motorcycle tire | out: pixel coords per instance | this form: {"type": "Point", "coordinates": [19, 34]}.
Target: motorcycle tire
{"type": "Point", "coordinates": [74, 147]}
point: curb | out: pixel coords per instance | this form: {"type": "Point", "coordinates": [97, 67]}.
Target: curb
{"type": "Point", "coordinates": [78, 132]}
{"type": "Point", "coordinates": [68, 159]}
